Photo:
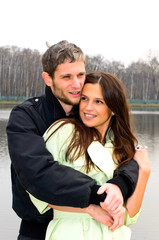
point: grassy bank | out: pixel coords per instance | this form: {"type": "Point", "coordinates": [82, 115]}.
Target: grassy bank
{"type": "Point", "coordinates": [144, 104]}
{"type": "Point", "coordinates": [132, 104]}
{"type": "Point", "coordinates": [10, 102]}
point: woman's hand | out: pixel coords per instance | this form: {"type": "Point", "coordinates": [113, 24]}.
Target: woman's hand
{"type": "Point", "coordinates": [118, 219]}
{"type": "Point", "coordinates": [142, 159]}
{"type": "Point", "coordinates": [100, 215]}
{"type": "Point", "coordinates": [95, 211]}
{"type": "Point", "coordinates": [113, 221]}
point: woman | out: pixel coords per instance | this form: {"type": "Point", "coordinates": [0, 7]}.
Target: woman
{"type": "Point", "coordinates": [98, 143]}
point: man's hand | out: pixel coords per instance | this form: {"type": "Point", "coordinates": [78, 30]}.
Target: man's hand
{"type": "Point", "coordinates": [114, 200]}
{"type": "Point", "coordinates": [113, 204]}
{"type": "Point", "coordinates": [100, 215]}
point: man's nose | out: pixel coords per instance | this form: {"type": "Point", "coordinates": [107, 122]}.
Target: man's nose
{"type": "Point", "coordinates": [76, 82]}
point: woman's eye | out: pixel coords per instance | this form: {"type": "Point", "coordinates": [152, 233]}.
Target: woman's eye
{"type": "Point", "coordinates": [83, 98]}
{"type": "Point", "coordinates": [99, 101]}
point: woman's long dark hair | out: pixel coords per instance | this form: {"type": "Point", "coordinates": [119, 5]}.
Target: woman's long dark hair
{"type": "Point", "coordinates": [124, 140]}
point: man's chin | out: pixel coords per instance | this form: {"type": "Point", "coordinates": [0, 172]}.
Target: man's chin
{"type": "Point", "coordinates": [70, 102]}
{"type": "Point", "coordinates": [73, 101]}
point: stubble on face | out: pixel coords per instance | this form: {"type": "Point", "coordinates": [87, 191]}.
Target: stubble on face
{"type": "Point", "coordinates": [61, 96]}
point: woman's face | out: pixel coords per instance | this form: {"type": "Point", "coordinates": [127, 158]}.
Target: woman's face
{"type": "Point", "coordinates": [93, 109]}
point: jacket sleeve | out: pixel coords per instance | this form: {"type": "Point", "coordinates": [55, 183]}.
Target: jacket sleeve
{"type": "Point", "coordinates": [126, 178]}
{"type": "Point", "coordinates": [36, 169]}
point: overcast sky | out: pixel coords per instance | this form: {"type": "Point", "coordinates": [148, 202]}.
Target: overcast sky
{"type": "Point", "coordinates": [123, 30]}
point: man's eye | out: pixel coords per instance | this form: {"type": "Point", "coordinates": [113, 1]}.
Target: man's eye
{"type": "Point", "coordinates": [81, 74]}
{"type": "Point", "coordinates": [67, 76]}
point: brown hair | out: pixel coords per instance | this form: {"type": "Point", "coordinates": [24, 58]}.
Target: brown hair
{"type": "Point", "coordinates": [115, 98]}
{"type": "Point", "coordinates": [81, 138]}
{"type": "Point", "coordinates": [124, 140]}
{"type": "Point", "coordinates": [58, 54]}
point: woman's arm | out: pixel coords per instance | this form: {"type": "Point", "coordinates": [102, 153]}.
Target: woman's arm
{"type": "Point", "coordinates": [133, 204]}
{"type": "Point", "coordinates": [96, 212]}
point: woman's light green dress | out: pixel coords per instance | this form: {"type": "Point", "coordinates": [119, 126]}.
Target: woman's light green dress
{"type": "Point", "coordinates": [81, 226]}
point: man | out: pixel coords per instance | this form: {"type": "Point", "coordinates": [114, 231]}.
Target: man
{"type": "Point", "coordinates": [33, 169]}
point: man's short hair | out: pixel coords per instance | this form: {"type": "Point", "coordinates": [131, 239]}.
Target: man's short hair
{"type": "Point", "coordinates": [58, 54]}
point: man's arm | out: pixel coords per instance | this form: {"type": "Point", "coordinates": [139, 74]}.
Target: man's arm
{"type": "Point", "coordinates": [126, 178]}
{"type": "Point", "coordinates": [120, 187]}
{"type": "Point", "coordinates": [38, 172]}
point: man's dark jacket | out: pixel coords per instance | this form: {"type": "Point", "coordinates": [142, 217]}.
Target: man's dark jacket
{"type": "Point", "coordinates": [34, 169]}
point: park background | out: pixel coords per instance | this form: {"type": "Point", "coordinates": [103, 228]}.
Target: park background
{"type": "Point", "coordinates": [118, 36]}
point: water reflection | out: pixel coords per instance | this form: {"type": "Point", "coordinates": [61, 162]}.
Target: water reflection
{"type": "Point", "coordinates": [146, 227]}
{"type": "Point", "coordinates": [148, 134]}
{"type": "Point", "coordinates": [4, 114]}
{"type": "Point", "coordinates": [9, 221]}
{"type": "Point", "coordinates": [3, 145]}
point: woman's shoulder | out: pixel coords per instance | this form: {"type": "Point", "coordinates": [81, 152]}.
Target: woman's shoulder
{"type": "Point", "coordinates": [58, 128]}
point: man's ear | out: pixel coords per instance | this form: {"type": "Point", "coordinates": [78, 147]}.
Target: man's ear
{"type": "Point", "coordinates": [47, 79]}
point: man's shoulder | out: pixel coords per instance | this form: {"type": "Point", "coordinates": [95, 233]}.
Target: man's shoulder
{"type": "Point", "coordinates": [29, 113]}
{"type": "Point", "coordinates": [30, 103]}
{"type": "Point", "coordinates": [34, 101]}
{"type": "Point", "coordinates": [31, 106]}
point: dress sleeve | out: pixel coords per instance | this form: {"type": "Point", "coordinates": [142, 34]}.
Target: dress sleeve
{"type": "Point", "coordinates": [130, 220]}
{"type": "Point", "coordinates": [41, 206]}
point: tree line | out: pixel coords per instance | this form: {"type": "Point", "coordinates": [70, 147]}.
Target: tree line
{"type": "Point", "coordinates": [20, 74]}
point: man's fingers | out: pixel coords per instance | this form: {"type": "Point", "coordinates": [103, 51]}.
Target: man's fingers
{"type": "Point", "coordinates": [117, 209]}
{"type": "Point", "coordinates": [112, 205]}
{"type": "Point", "coordinates": [114, 200]}
{"type": "Point", "coordinates": [102, 189]}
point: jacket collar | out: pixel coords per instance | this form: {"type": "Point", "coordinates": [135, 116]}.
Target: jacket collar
{"type": "Point", "coordinates": [55, 109]}
{"type": "Point", "coordinates": [58, 111]}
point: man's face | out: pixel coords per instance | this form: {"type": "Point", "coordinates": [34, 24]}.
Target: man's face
{"type": "Point", "coordinates": [68, 82]}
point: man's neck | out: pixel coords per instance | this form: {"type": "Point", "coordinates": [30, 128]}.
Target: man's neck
{"type": "Point", "coordinates": [67, 108]}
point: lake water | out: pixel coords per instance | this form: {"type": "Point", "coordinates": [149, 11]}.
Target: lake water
{"type": "Point", "coordinates": [146, 228]}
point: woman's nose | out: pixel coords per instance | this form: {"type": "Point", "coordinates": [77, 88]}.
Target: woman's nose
{"type": "Point", "coordinates": [89, 106]}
